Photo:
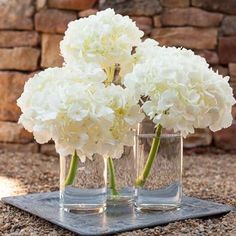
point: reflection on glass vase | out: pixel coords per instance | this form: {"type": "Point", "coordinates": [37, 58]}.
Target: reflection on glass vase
{"type": "Point", "coordinates": [83, 184]}
{"type": "Point", "coordinates": [159, 166]}
{"type": "Point", "coordinates": [120, 178]}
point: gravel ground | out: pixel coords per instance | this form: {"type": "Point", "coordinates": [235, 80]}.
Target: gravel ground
{"type": "Point", "coordinates": [207, 176]}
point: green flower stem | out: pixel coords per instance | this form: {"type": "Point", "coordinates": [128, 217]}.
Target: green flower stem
{"type": "Point", "coordinates": [72, 170]}
{"type": "Point", "coordinates": [140, 181]}
{"type": "Point", "coordinates": [112, 175]}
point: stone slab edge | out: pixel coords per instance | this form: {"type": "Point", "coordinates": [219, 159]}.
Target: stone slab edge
{"type": "Point", "coordinates": [46, 206]}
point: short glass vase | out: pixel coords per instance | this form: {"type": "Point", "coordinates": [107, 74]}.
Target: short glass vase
{"type": "Point", "coordinates": [83, 184]}
{"type": "Point", "coordinates": [162, 189]}
{"type": "Point", "coordinates": [120, 178]}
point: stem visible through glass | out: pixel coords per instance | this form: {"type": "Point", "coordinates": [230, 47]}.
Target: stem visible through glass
{"type": "Point", "coordinates": [140, 181]}
{"type": "Point", "coordinates": [112, 176]}
{"type": "Point", "coordinates": [72, 170]}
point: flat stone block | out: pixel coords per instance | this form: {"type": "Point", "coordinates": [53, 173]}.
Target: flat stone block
{"type": "Point", "coordinates": [71, 4]}
{"type": "Point", "coordinates": [189, 37]}
{"type": "Point", "coordinates": [12, 84]}
{"type": "Point", "coordinates": [20, 58]}
{"type": "Point", "coordinates": [190, 16]}
{"type": "Point", "coordinates": [15, 14]}
{"type": "Point", "coordinates": [53, 21]}
{"type": "Point", "coordinates": [227, 49]}
{"type": "Point", "coordinates": [16, 147]}
{"type": "Point", "coordinates": [51, 50]}
{"type": "Point", "coordinates": [18, 38]}
{"type": "Point", "coordinates": [225, 138]}
{"type": "Point", "coordinates": [175, 3]}
{"type": "Point", "coordinates": [14, 133]}
{"type": "Point", "coordinates": [133, 7]}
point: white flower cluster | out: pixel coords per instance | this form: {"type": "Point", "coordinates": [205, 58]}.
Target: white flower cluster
{"type": "Point", "coordinates": [82, 107]}
{"type": "Point", "coordinates": [77, 111]}
{"type": "Point", "coordinates": [182, 92]}
{"type": "Point", "coordinates": [56, 105]}
{"type": "Point", "coordinates": [105, 39]}
{"type": "Point", "coordinates": [73, 105]}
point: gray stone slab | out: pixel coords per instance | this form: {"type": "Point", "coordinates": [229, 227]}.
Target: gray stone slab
{"type": "Point", "coordinates": [115, 219]}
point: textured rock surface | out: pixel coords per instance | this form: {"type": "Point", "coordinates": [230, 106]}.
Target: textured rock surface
{"type": "Point", "coordinates": [14, 133]}
{"type": "Point", "coordinates": [48, 149]}
{"type": "Point", "coordinates": [225, 138]}
{"type": "Point", "coordinates": [226, 6]}
{"type": "Point", "coordinates": [157, 21]}
{"type": "Point", "coordinates": [133, 7]}
{"type": "Point", "coordinates": [201, 137]}
{"type": "Point", "coordinates": [221, 70]}
{"type": "Point", "coordinates": [234, 112]}
{"type": "Point", "coordinates": [40, 4]}
{"type": "Point", "coordinates": [53, 21]}
{"type": "Point", "coordinates": [18, 147]}
{"type": "Point", "coordinates": [18, 38]}
{"type": "Point", "coordinates": [175, 3]}
{"type": "Point", "coordinates": [233, 85]}
{"type": "Point", "coordinates": [88, 12]}
{"type": "Point", "coordinates": [227, 49]}
{"type": "Point", "coordinates": [71, 4]}
{"type": "Point", "coordinates": [144, 23]}
{"type": "Point", "coordinates": [21, 58]}
{"type": "Point", "coordinates": [232, 72]}
{"type": "Point", "coordinates": [228, 26]}
{"type": "Point", "coordinates": [11, 86]}
{"type": "Point", "coordinates": [16, 15]}
{"type": "Point", "coordinates": [190, 16]}
{"type": "Point", "coordinates": [210, 56]}
{"type": "Point", "coordinates": [30, 31]}
{"type": "Point", "coordinates": [188, 37]}
{"type": "Point", "coordinates": [51, 50]}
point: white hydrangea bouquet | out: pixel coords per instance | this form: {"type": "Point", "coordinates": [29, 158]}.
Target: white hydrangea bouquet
{"type": "Point", "coordinates": [93, 103]}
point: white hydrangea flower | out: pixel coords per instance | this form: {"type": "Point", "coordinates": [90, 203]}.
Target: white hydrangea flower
{"type": "Point", "coordinates": [88, 72]}
{"type": "Point", "coordinates": [126, 117]}
{"type": "Point", "coordinates": [57, 104]}
{"type": "Point", "coordinates": [73, 107]}
{"type": "Point", "coordinates": [183, 92]}
{"type": "Point", "coordinates": [145, 50]}
{"type": "Point", "coordinates": [105, 39]}
{"type": "Point", "coordinates": [126, 111]}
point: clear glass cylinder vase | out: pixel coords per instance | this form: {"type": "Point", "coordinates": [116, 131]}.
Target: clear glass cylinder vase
{"type": "Point", "coordinates": [120, 178]}
{"type": "Point", "coordinates": [83, 185]}
{"type": "Point", "coordinates": [162, 188]}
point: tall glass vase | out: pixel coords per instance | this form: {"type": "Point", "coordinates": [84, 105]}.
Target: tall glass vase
{"type": "Point", "coordinates": [159, 168]}
{"type": "Point", "coordinates": [83, 184]}
{"type": "Point", "coordinates": [120, 178]}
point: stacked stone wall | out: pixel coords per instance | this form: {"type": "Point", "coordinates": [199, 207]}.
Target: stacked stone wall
{"type": "Point", "coordinates": [30, 32]}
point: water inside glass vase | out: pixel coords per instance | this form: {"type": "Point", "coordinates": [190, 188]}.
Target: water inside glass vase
{"type": "Point", "coordinates": [87, 193]}
{"type": "Point", "coordinates": [162, 189]}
